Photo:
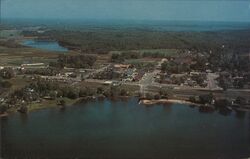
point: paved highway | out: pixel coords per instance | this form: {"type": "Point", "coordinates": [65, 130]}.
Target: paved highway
{"type": "Point", "coordinates": [212, 83]}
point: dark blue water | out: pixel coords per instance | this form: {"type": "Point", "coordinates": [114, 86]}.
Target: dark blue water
{"type": "Point", "coordinates": [46, 45]}
{"type": "Point", "coordinates": [124, 129]}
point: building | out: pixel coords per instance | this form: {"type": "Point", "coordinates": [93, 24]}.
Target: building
{"type": "Point", "coordinates": [122, 66]}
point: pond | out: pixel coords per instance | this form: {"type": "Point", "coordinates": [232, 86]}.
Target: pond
{"type": "Point", "coordinates": [125, 129]}
{"type": "Point", "coordinates": [46, 45]}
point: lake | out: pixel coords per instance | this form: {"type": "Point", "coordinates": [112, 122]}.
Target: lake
{"type": "Point", "coordinates": [124, 129]}
{"type": "Point", "coordinates": [46, 45]}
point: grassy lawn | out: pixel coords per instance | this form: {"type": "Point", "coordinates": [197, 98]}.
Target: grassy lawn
{"type": "Point", "coordinates": [20, 55]}
{"type": "Point", "coordinates": [19, 82]}
{"type": "Point", "coordinates": [132, 89]}
{"type": "Point", "coordinates": [50, 104]}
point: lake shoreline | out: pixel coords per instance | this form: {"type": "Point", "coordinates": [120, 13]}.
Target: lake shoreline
{"type": "Point", "coordinates": [46, 104]}
{"type": "Point", "coordinates": [54, 103]}
{"type": "Point", "coordinates": [127, 125]}
{"type": "Point", "coordinates": [44, 44]}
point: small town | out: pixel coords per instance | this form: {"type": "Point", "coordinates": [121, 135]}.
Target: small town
{"type": "Point", "coordinates": [124, 79]}
{"type": "Point", "coordinates": [155, 76]}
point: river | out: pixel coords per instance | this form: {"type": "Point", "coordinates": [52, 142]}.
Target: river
{"type": "Point", "coordinates": [46, 45]}
{"type": "Point", "coordinates": [124, 129]}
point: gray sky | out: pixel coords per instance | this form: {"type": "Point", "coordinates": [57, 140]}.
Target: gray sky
{"type": "Point", "coordinates": [207, 10]}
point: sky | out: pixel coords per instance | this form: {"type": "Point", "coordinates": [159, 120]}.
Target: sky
{"type": "Point", "coordinates": [195, 10]}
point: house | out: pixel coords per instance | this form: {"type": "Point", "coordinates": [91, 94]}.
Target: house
{"type": "Point", "coordinates": [32, 64]}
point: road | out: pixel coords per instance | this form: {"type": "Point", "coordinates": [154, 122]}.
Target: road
{"type": "Point", "coordinates": [148, 80]}
{"type": "Point", "coordinates": [212, 83]}
{"type": "Point", "coordinates": [148, 86]}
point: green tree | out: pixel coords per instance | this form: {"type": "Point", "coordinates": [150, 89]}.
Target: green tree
{"type": "Point", "coordinates": [3, 108]}
{"type": "Point", "coordinates": [99, 90]}
{"type": "Point", "coordinates": [123, 92]}
{"type": "Point", "coordinates": [192, 99]}
{"type": "Point", "coordinates": [241, 100]}
{"type": "Point", "coordinates": [73, 94]}
{"type": "Point", "coordinates": [83, 92]}
{"type": "Point", "coordinates": [62, 102]}
{"type": "Point", "coordinates": [206, 98]}
{"type": "Point", "coordinates": [23, 109]}
{"type": "Point", "coordinates": [7, 73]}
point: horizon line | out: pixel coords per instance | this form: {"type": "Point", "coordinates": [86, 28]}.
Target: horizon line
{"type": "Point", "coordinates": [122, 19]}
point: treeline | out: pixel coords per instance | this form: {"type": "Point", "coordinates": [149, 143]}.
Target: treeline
{"type": "Point", "coordinates": [103, 41]}
{"type": "Point", "coordinates": [75, 61]}
{"type": "Point", "coordinates": [124, 55]}
{"type": "Point", "coordinates": [172, 67]}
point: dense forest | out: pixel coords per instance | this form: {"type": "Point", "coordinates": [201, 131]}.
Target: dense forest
{"type": "Point", "coordinates": [103, 41]}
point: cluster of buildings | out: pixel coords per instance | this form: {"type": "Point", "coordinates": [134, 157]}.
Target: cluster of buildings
{"type": "Point", "coordinates": [119, 72]}
{"type": "Point", "coordinates": [192, 79]}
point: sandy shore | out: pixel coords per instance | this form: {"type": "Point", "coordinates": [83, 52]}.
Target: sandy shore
{"type": "Point", "coordinates": [165, 101]}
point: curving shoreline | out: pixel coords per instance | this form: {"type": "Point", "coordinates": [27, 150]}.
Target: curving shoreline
{"type": "Point", "coordinates": [145, 102]}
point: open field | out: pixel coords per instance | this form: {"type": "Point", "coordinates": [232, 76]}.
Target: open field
{"type": "Point", "coordinates": [17, 56]}
{"type": "Point", "coordinates": [19, 82]}
{"type": "Point", "coordinates": [50, 104]}
{"type": "Point", "coordinates": [20, 55]}
{"type": "Point", "coordinates": [10, 33]}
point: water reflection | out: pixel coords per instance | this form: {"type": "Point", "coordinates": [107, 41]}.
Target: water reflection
{"type": "Point", "coordinates": [123, 128]}
{"type": "Point", "coordinates": [167, 108]}
{"type": "Point", "coordinates": [206, 109]}
{"type": "Point", "coordinates": [47, 45]}
{"type": "Point", "coordinates": [24, 118]}
{"type": "Point", "coordinates": [225, 111]}
{"type": "Point", "coordinates": [240, 114]}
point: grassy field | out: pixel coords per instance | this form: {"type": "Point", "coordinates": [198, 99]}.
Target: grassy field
{"type": "Point", "coordinates": [50, 104]}
{"type": "Point", "coordinates": [45, 104]}
{"type": "Point", "coordinates": [19, 82]}
{"type": "Point", "coordinates": [10, 33]}
{"type": "Point", "coordinates": [17, 56]}
{"type": "Point", "coordinates": [13, 56]}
